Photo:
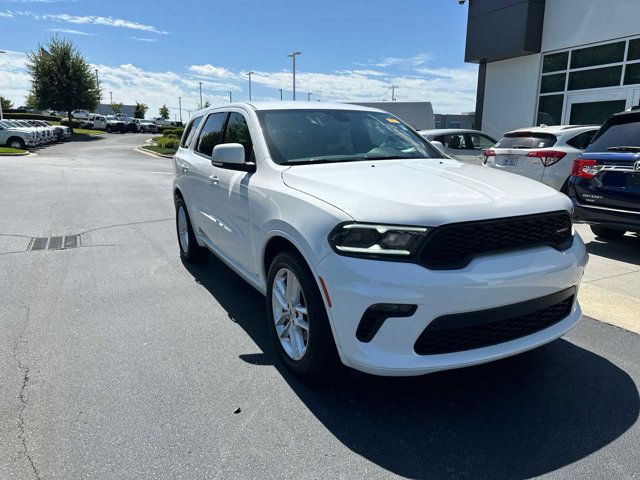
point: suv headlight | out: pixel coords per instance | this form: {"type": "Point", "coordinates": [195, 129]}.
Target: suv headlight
{"type": "Point", "coordinates": [369, 240]}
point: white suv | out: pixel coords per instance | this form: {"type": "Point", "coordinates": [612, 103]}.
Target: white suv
{"type": "Point", "coordinates": [372, 248]}
{"type": "Point", "coordinates": [545, 154]}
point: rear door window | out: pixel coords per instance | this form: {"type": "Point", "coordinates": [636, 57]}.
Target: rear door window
{"type": "Point", "coordinates": [479, 142]}
{"type": "Point", "coordinates": [454, 142]}
{"type": "Point", "coordinates": [623, 131]}
{"type": "Point", "coordinates": [211, 133]}
{"type": "Point", "coordinates": [582, 140]}
{"type": "Point", "coordinates": [527, 140]}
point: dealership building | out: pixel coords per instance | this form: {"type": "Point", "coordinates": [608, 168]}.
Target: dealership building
{"type": "Point", "coordinates": [553, 62]}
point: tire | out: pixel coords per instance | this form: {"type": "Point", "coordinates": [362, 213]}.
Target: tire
{"type": "Point", "coordinates": [607, 233]}
{"type": "Point", "coordinates": [108, 128]}
{"type": "Point", "coordinates": [16, 142]}
{"type": "Point", "coordinates": [308, 353]}
{"type": "Point", "coordinates": [190, 251]}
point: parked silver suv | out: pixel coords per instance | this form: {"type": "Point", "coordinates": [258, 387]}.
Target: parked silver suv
{"type": "Point", "coordinates": [16, 137]}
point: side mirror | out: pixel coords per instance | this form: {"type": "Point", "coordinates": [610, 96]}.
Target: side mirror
{"type": "Point", "coordinates": [232, 153]}
{"type": "Point", "coordinates": [438, 145]}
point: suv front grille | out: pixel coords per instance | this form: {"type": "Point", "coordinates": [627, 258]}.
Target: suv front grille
{"type": "Point", "coordinates": [453, 246]}
{"type": "Point", "coordinates": [468, 331]}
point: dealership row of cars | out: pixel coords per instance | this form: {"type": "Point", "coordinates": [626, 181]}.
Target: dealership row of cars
{"type": "Point", "coordinates": [23, 134]}
{"type": "Point", "coordinates": [597, 167]}
{"type": "Point", "coordinates": [121, 123]}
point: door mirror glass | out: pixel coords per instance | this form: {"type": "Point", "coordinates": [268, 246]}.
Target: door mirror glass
{"type": "Point", "coordinates": [232, 153]}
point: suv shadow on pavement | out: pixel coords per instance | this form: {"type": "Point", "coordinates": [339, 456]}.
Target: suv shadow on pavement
{"type": "Point", "coordinates": [626, 249]}
{"type": "Point", "coordinates": [516, 418]}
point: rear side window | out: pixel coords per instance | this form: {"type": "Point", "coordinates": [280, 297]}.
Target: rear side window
{"type": "Point", "coordinates": [527, 140]}
{"type": "Point", "coordinates": [211, 133]}
{"type": "Point", "coordinates": [582, 141]}
{"type": "Point", "coordinates": [238, 132]}
{"type": "Point", "coordinates": [454, 142]}
{"type": "Point", "coordinates": [623, 131]}
{"type": "Point", "coordinates": [190, 131]}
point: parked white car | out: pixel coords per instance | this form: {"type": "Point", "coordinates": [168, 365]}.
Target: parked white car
{"type": "Point", "coordinates": [82, 115]}
{"type": "Point", "coordinates": [16, 137]}
{"type": "Point", "coordinates": [371, 247]}
{"type": "Point", "coordinates": [465, 145]}
{"type": "Point", "coordinates": [544, 154]}
{"type": "Point", "coordinates": [163, 122]}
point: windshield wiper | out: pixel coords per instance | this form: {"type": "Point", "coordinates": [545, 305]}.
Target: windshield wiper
{"type": "Point", "coordinates": [315, 160]}
{"type": "Point", "coordinates": [623, 148]}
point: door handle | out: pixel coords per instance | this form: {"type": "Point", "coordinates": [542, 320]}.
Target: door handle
{"type": "Point", "coordinates": [214, 179]}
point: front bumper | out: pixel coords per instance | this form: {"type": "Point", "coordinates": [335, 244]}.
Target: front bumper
{"type": "Point", "coordinates": [487, 282]}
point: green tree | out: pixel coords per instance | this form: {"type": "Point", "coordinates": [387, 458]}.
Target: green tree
{"type": "Point", "coordinates": [116, 107]}
{"type": "Point", "coordinates": [164, 112]}
{"type": "Point", "coordinates": [61, 79]}
{"type": "Point", "coordinates": [207, 103]}
{"type": "Point", "coordinates": [140, 110]}
{"type": "Point", "coordinates": [30, 101]}
{"type": "Point", "coordinates": [6, 104]}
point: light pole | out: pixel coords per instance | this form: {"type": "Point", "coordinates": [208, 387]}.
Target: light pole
{"type": "Point", "coordinates": [230, 98]}
{"type": "Point", "coordinates": [308, 96]}
{"type": "Point", "coordinates": [98, 85]}
{"type": "Point", "coordinates": [111, 96]}
{"type": "Point", "coordinates": [180, 107]}
{"type": "Point", "coordinates": [293, 56]}
{"type": "Point", "coordinates": [393, 92]}
{"type": "Point", "coordinates": [1, 114]}
{"type": "Point", "coordinates": [280, 93]}
{"type": "Point", "coordinates": [249, 74]}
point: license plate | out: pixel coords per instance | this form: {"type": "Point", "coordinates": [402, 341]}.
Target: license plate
{"type": "Point", "coordinates": [511, 161]}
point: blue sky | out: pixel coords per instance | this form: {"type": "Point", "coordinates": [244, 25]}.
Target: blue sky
{"type": "Point", "coordinates": [157, 51]}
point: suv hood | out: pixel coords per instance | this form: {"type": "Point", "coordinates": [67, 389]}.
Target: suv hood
{"type": "Point", "coordinates": [428, 192]}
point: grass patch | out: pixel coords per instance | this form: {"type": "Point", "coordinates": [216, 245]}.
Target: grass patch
{"type": "Point", "coordinates": [10, 150]}
{"type": "Point", "coordinates": [160, 150]}
{"type": "Point", "coordinates": [86, 131]}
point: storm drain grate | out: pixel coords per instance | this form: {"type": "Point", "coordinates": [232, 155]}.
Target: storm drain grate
{"type": "Point", "coordinates": [54, 243]}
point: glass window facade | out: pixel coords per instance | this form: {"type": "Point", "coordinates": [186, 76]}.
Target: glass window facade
{"type": "Point", "coordinates": [599, 68]}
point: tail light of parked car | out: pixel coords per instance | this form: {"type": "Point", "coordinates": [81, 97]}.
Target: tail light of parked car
{"type": "Point", "coordinates": [488, 153]}
{"type": "Point", "coordinates": [548, 157]}
{"type": "Point", "coordinates": [584, 168]}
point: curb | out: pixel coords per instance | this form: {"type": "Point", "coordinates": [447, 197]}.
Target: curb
{"type": "Point", "coordinates": [153, 154]}
{"type": "Point", "coordinates": [24, 154]}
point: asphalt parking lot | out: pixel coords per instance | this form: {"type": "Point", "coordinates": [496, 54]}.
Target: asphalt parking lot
{"type": "Point", "coordinates": [119, 362]}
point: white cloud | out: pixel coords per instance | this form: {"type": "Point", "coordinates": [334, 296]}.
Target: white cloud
{"type": "Point", "coordinates": [70, 31]}
{"type": "Point", "coordinates": [6, 14]}
{"type": "Point", "coordinates": [211, 71]}
{"type": "Point", "coordinates": [140, 39]}
{"type": "Point", "coordinates": [451, 90]}
{"type": "Point", "coordinates": [88, 20]}
{"type": "Point", "coordinates": [404, 62]}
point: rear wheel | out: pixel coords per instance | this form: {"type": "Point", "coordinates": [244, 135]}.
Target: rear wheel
{"type": "Point", "coordinates": [607, 233]}
{"type": "Point", "coordinates": [298, 320]}
{"type": "Point", "coordinates": [108, 128]}
{"type": "Point", "coordinates": [16, 143]}
{"type": "Point", "coordinates": [190, 251]}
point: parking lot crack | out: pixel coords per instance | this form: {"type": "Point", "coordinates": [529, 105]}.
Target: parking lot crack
{"type": "Point", "coordinates": [24, 370]}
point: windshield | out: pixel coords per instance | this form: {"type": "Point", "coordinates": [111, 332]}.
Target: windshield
{"type": "Point", "coordinates": [319, 136]}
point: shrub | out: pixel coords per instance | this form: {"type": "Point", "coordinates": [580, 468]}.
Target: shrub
{"type": "Point", "coordinates": [76, 123]}
{"type": "Point", "coordinates": [175, 132]}
{"type": "Point", "coordinates": [168, 142]}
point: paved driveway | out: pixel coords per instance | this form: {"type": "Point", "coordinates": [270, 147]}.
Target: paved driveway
{"type": "Point", "coordinates": [119, 362]}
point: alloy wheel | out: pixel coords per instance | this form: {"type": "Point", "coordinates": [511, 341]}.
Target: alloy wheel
{"type": "Point", "coordinates": [290, 313]}
{"type": "Point", "coordinates": [183, 229]}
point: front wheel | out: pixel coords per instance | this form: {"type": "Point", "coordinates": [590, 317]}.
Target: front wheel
{"type": "Point", "coordinates": [16, 143]}
{"type": "Point", "coordinates": [607, 233]}
{"type": "Point", "coordinates": [298, 320]}
{"type": "Point", "coordinates": [190, 251]}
